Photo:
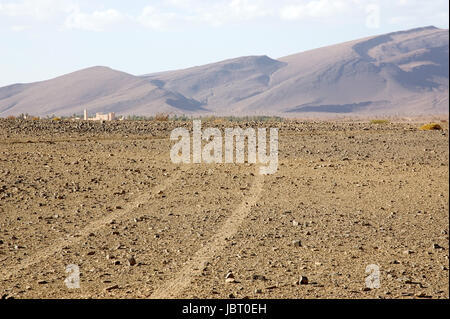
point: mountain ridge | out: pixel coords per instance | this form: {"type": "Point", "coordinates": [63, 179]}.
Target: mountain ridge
{"type": "Point", "coordinates": [403, 72]}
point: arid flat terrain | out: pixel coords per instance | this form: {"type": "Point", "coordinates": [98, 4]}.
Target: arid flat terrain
{"type": "Point", "coordinates": [107, 198]}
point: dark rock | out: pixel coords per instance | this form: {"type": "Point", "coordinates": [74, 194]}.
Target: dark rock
{"type": "Point", "coordinates": [112, 288]}
{"type": "Point", "coordinates": [297, 243]}
{"type": "Point", "coordinates": [131, 261]}
{"type": "Point", "coordinates": [303, 280]}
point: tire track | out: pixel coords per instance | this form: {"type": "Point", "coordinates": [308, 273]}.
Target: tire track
{"type": "Point", "coordinates": [59, 244]}
{"type": "Point", "coordinates": [175, 286]}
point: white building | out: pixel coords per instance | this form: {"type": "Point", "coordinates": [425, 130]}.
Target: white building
{"type": "Point", "coordinates": [100, 116]}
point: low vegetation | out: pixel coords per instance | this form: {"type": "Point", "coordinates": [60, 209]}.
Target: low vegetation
{"type": "Point", "coordinates": [431, 127]}
{"type": "Point", "coordinates": [378, 122]}
{"type": "Point", "coordinates": [162, 117]}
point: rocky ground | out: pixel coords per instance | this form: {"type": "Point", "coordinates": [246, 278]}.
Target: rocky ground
{"type": "Point", "coordinates": [107, 198]}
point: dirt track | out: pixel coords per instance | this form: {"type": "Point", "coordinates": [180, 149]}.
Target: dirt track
{"type": "Point", "coordinates": [353, 194]}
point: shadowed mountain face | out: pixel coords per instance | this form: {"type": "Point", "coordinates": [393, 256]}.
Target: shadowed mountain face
{"type": "Point", "coordinates": [221, 85]}
{"type": "Point", "coordinates": [402, 73]}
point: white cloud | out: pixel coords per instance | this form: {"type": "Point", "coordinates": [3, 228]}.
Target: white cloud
{"type": "Point", "coordinates": [185, 13]}
{"type": "Point", "coordinates": [178, 13]}
{"type": "Point", "coordinates": [221, 12]}
{"type": "Point", "coordinates": [151, 17]}
{"type": "Point", "coordinates": [181, 14]}
{"type": "Point", "coordinates": [418, 12]}
{"type": "Point", "coordinates": [60, 11]}
{"type": "Point", "coordinates": [402, 2]}
{"type": "Point", "coordinates": [19, 28]}
{"type": "Point", "coordinates": [37, 9]}
{"type": "Point", "coordinates": [314, 9]}
{"type": "Point", "coordinates": [246, 9]}
{"type": "Point", "coordinates": [95, 21]}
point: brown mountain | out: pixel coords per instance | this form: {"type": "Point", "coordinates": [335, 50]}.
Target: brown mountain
{"type": "Point", "coordinates": [401, 73]}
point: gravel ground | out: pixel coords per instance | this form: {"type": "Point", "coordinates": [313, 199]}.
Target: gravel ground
{"type": "Point", "coordinates": [106, 197]}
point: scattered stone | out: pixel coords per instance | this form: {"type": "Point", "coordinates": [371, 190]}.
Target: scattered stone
{"type": "Point", "coordinates": [229, 278]}
{"type": "Point", "coordinates": [407, 294]}
{"type": "Point", "coordinates": [297, 243]}
{"type": "Point", "coordinates": [437, 246]}
{"type": "Point", "coordinates": [259, 277]}
{"type": "Point", "coordinates": [303, 280]}
{"type": "Point", "coordinates": [112, 288]}
{"type": "Point", "coordinates": [42, 282]}
{"type": "Point", "coordinates": [131, 261]}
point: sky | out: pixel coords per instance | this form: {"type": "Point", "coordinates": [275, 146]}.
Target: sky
{"type": "Point", "coordinates": [42, 39]}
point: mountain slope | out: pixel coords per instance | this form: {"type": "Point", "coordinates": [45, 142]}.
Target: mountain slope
{"type": "Point", "coordinates": [220, 85]}
{"type": "Point", "coordinates": [399, 73]}
{"type": "Point", "coordinates": [99, 89]}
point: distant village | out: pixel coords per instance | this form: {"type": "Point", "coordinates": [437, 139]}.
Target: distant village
{"type": "Point", "coordinates": [100, 116]}
{"type": "Point", "coordinates": [85, 117]}
{"type": "Point", "coordinates": [159, 117]}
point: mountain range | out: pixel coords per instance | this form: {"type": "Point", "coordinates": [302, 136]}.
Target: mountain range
{"type": "Point", "coordinates": [400, 73]}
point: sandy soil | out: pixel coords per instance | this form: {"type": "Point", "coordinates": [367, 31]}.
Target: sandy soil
{"type": "Point", "coordinates": [107, 198]}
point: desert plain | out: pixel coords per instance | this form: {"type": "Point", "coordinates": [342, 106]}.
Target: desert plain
{"type": "Point", "coordinates": [107, 198]}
